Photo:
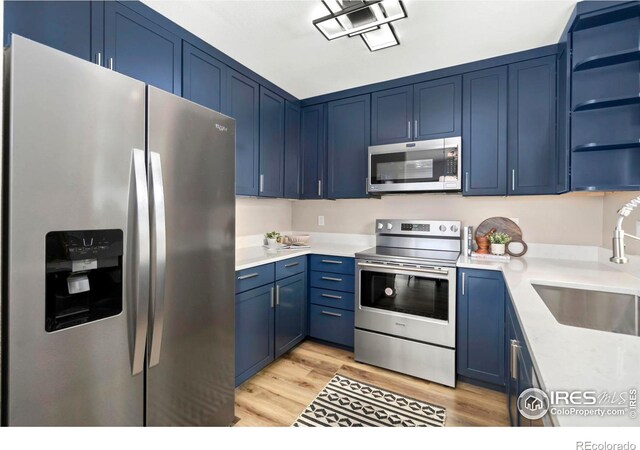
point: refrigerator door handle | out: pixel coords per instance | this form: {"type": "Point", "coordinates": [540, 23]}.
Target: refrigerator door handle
{"type": "Point", "coordinates": [158, 257]}
{"type": "Point", "coordinates": [141, 250]}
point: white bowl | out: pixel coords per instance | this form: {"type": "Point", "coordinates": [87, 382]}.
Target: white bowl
{"type": "Point", "coordinates": [301, 239]}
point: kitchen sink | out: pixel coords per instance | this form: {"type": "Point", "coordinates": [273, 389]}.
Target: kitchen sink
{"type": "Point", "coordinates": [596, 310]}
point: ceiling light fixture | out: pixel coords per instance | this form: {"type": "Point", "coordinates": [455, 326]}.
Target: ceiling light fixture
{"type": "Point", "coordinates": [369, 19]}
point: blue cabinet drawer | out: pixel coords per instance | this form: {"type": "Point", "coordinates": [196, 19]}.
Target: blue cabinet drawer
{"type": "Point", "coordinates": [290, 267]}
{"type": "Point", "coordinates": [333, 299]}
{"type": "Point", "coordinates": [255, 276]}
{"type": "Point", "coordinates": [334, 264]}
{"type": "Point", "coordinates": [332, 325]}
{"type": "Point", "coordinates": [332, 281]}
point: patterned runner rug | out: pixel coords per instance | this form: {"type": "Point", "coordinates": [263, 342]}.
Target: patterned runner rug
{"type": "Point", "coordinates": [344, 402]}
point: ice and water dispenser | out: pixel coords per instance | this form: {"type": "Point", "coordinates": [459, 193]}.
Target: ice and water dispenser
{"type": "Point", "coordinates": [84, 277]}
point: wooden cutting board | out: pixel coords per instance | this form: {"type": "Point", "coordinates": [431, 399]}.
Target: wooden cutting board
{"type": "Point", "coordinates": [500, 224]}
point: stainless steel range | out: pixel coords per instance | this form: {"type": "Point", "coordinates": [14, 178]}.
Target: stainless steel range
{"type": "Point", "coordinates": [406, 299]}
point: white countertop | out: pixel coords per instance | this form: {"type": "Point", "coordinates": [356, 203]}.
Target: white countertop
{"type": "Point", "coordinates": [255, 256]}
{"type": "Point", "coordinates": [566, 357]}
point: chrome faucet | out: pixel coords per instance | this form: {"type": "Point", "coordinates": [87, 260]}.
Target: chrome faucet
{"type": "Point", "coordinates": [619, 234]}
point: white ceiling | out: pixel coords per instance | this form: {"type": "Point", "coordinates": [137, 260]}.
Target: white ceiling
{"type": "Point", "coordinates": [276, 38]}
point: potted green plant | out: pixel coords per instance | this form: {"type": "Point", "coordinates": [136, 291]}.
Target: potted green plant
{"type": "Point", "coordinates": [272, 239]}
{"type": "Point", "coordinates": [498, 241]}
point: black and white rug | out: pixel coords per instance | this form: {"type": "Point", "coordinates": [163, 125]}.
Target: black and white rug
{"type": "Point", "coordinates": [344, 402]}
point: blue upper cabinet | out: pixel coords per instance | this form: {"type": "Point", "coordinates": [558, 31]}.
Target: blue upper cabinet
{"type": "Point", "coordinates": [272, 112]}
{"type": "Point", "coordinates": [484, 132]}
{"type": "Point", "coordinates": [313, 151]}
{"type": "Point", "coordinates": [437, 108]}
{"type": "Point", "coordinates": [392, 116]}
{"type": "Point", "coordinates": [242, 103]}
{"type": "Point", "coordinates": [141, 49]}
{"type": "Point", "coordinates": [348, 137]}
{"type": "Point", "coordinates": [65, 26]}
{"type": "Point", "coordinates": [292, 151]}
{"type": "Point", "coordinates": [204, 78]}
{"type": "Point", "coordinates": [481, 326]}
{"type": "Point", "coordinates": [532, 127]}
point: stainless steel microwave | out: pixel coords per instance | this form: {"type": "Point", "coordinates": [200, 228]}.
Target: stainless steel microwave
{"type": "Point", "coordinates": [433, 165]}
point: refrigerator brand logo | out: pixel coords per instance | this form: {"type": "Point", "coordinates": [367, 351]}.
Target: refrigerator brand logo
{"type": "Point", "coordinates": [221, 127]}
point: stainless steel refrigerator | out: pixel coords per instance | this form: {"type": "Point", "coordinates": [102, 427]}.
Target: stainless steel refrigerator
{"type": "Point", "coordinates": [118, 249]}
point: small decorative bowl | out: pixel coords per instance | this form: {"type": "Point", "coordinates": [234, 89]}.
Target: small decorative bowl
{"type": "Point", "coordinates": [300, 239]}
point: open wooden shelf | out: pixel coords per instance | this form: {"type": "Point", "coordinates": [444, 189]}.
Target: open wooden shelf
{"type": "Point", "coordinates": [599, 103]}
{"type": "Point", "coordinates": [594, 147]}
{"type": "Point", "coordinates": [614, 14]}
{"type": "Point", "coordinates": [608, 59]}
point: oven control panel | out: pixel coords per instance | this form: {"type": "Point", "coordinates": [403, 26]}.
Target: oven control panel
{"type": "Point", "coordinates": [440, 228]}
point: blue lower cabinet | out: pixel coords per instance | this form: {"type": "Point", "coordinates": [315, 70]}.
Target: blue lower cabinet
{"type": "Point", "coordinates": [331, 325]}
{"type": "Point", "coordinates": [481, 326]}
{"type": "Point", "coordinates": [255, 276]}
{"type": "Point", "coordinates": [332, 299]}
{"type": "Point", "coordinates": [291, 312]}
{"type": "Point", "coordinates": [333, 264]}
{"type": "Point", "coordinates": [254, 331]}
{"type": "Point", "coordinates": [332, 281]}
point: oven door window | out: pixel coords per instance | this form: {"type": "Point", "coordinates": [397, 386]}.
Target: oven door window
{"type": "Point", "coordinates": [415, 166]}
{"type": "Point", "coordinates": [407, 294]}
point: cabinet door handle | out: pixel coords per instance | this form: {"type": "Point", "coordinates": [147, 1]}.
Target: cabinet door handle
{"type": "Point", "coordinates": [331, 261]}
{"type": "Point", "coordinates": [415, 129]}
{"type": "Point", "coordinates": [271, 299]}
{"type": "Point", "coordinates": [327, 313]}
{"type": "Point", "coordinates": [99, 58]}
{"type": "Point", "coordinates": [408, 129]}
{"type": "Point", "coordinates": [463, 281]}
{"type": "Point", "coordinates": [514, 359]}
{"type": "Point", "coordinates": [466, 181]}
{"type": "Point", "coordinates": [247, 276]}
{"type": "Point", "coordinates": [261, 182]}
{"type": "Point", "coordinates": [336, 297]}
{"type": "Point", "coordinates": [513, 180]}
{"type": "Point", "coordinates": [110, 63]}
{"type": "Point", "coordinates": [277, 294]}
{"type": "Point", "coordinates": [319, 188]}
{"type": "Point", "coordinates": [332, 279]}
{"type": "Point", "coordinates": [291, 265]}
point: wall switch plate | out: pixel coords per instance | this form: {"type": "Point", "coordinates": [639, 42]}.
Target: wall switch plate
{"type": "Point", "coordinates": [321, 221]}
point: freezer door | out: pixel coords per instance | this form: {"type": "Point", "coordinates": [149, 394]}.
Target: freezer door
{"type": "Point", "coordinates": [191, 373]}
{"type": "Point", "coordinates": [73, 249]}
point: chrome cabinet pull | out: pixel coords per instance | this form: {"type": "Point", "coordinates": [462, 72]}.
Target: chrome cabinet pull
{"type": "Point", "coordinates": [514, 359]}
{"type": "Point", "coordinates": [319, 188]}
{"type": "Point", "coordinates": [331, 279]}
{"type": "Point", "coordinates": [337, 297]}
{"type": "Point", "coordinates": [261, 182]}
{"type": "Point", "coordinates": [463, 281]}
{"type": "Point", "coordinates": [415, 129]}
{"type": "Point", "coordinates": [277, 294]}
{"type": "Point", "coordinates": [110, 63]}
{"type": "Point", "coordinates": [291, 265]}
{"type": "Point", "coordinates": [247, 276]}
{"type": "Point", "coordinates": [99, 58]}
{"type": "Point", "coordinates": [408, 129]}
{"type": "Point", "coordinates": [513, 180]}
{"type": "Point", "coordinates": [271, 299]}
{"type": "Point", "coordinates": [327, 313]}
{"type": "Point", "coordinates": [466, 181]}
{"type": "Point", "coordinates": [331, 261]}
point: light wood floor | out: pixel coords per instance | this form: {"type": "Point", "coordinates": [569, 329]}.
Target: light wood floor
{"type": "Point", "coordinates": [281, 391]}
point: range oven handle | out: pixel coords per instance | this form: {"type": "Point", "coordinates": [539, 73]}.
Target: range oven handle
{"type": "Point", "coordinates": [434, 271]}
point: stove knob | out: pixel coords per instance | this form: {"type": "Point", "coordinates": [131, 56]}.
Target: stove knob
{"type": "Point", "coordinates": [380, 226]}
{"type": "Point", "coordinates": [443, 228]}
{"type": "Point", "coordinates": [454, 228]}
{"type": "Point", "coordinates": [389, 226]}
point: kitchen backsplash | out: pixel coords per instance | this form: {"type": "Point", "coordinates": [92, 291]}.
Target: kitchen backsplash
{"type": "Point", "coordinates": [259, 215]}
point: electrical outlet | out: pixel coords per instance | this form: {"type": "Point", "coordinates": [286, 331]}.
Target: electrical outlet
{"type": "Point", "coordinates": [321, 221]}
{"type": "Point", "coordinates": [515, 219]}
